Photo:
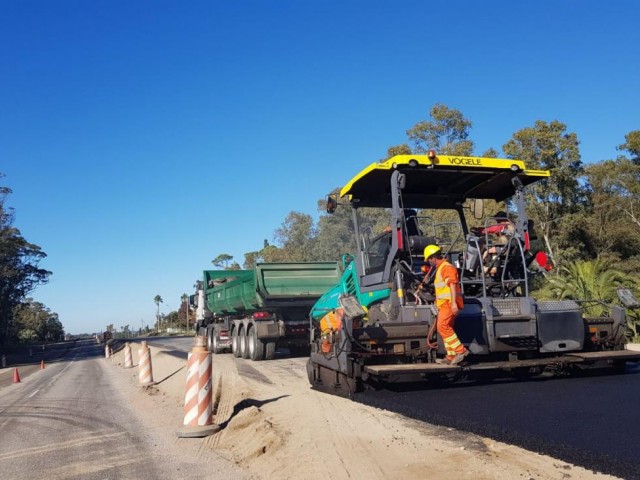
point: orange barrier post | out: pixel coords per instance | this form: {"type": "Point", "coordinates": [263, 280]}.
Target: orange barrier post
{"type": "Point", "coordinates": [198, 421]}
{"type": "Point", "coordinates": [145, 372]}
{"type": "Point", "coordinates": [128, 362]}
{"type": "Point", "coordinates": [16, 376]}
{"type": "Point", "coordinates": [41, 364]}
{"type": "Point", "coordinates": [107, 351]}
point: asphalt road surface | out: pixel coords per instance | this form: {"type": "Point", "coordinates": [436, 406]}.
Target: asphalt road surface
{"type": "Point", "coordinates": [69, 421]}
{"type": "Point", "coordinates": [590, 421]}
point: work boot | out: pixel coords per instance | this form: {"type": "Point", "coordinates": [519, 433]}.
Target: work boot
{"type": "Point", "coordinates": [443, 361]}
{"type": "Point", "coordinates": [459, 358]}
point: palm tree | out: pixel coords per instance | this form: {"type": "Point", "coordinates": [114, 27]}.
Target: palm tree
{"type": "Point", "coordinates": [588, 280]}
{"type": "Point", "coordinates": [157, 300]}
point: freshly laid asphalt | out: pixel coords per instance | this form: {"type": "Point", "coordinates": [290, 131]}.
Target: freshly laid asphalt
{"type": "Point", "coordinates": [590, 421]}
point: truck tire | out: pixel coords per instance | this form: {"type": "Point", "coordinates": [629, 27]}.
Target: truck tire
{"type": "Point", "coordinates": [299, 350]}
{"type": "Point", "coordinates": [244, 347]}
{"type": "Point", "coordinates": [256, 347]}
{"type": "Point", "coordinates": [209, 342]}
{"type": "Point", "coordinates": [269, 350]}
{"type": "Point", "coordinates": [215, 348]}
{"type": "Point", "coordinates": [235, 343]}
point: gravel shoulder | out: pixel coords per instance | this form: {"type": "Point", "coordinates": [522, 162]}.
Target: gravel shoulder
{"type": "Point", "coordinates": [275, 426]}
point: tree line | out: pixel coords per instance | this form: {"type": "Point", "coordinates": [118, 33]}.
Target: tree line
{"type": "Point", "coordinates": [587, 216]}
{"type": "Point", "coordinates": [22, 318]}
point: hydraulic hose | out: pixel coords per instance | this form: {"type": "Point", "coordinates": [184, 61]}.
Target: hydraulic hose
{"type": "Point", "coordinates": [432, 329]}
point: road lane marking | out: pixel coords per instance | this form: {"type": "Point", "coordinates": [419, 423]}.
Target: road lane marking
{"type": "Point", "coordinates": [55, 377]}
{"type": "Point", "coordinates": [59, 446]}
{"type": "Point", "coordinates": [33, 393]}
{"type": "Point", "coordinates": [83, 468]}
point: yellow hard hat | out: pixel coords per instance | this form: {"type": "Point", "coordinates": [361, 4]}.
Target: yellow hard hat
{"type": "Point", "coordinates": [431, 250]}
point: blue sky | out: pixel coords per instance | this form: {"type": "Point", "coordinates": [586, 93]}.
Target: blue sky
{"type": "Point", "coordinates": [143, 138]}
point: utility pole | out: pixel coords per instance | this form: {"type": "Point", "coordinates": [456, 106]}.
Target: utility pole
{"type": "Point", "coordinates": [185, 299]}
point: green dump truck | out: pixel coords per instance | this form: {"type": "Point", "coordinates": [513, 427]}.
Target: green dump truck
{"type": "Point", "coordinates": [253, 312]}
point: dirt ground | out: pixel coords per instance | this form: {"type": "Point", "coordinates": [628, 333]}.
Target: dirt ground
{"type": "Point", "coordinates": [275, 426]}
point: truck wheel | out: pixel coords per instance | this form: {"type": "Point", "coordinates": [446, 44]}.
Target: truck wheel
{"type": "Point", "coordinates": [215, 348]}
{"type": "Point", "coordinates": [299, 350]}
{"type": "Point", "coordinates": [209, 343]}
{"type": "Point", "coordinates": [269, 350]}
{"type": "Point", "coordinates": [256, 347]}
{"type": "Point", "coordinates": [235, 343]}
{"type": "Point", "coordinates": [244, 348]}
{"type": "Point", "coordinates": [304, 350]}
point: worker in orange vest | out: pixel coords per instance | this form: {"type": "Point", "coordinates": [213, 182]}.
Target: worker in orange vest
{"type": "Point", "coordinates": [449, 302]}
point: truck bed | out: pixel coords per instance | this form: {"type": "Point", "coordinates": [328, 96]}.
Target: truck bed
{"type": "Point", "coordinates": [294, 284]}
{"type": "Point", "coordinates": [268, 286]}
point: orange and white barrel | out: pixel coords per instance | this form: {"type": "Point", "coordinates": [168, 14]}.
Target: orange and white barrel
{"type": "Point", "coordinates": [107, 351]}
{"type": "Point", "coordinates": [145, 372]}
{"type": "Point", "coordinates": [198, 420]}
{"type": "Point", "coordinates": [128, 360]}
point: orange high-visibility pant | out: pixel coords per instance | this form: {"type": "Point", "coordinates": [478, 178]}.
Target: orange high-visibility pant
{"type": "Point", "coordinates": [445, 322]}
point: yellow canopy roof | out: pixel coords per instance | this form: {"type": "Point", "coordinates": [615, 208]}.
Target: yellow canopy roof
{"type": "Point", "coordinates": [439, 181]}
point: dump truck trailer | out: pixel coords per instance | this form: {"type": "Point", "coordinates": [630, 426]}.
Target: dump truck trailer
{"type": "Point", "coordinates": [377, 324]}
{"type": "Point", "coordinates": [253, 312]}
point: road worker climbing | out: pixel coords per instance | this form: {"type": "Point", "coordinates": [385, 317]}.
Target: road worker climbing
{"type": "Point", "coordinates": [449, 302]}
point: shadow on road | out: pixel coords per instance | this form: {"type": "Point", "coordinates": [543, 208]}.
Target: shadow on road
{"type": "Point", "coordinates": [247, 403]}
{"type": "Point", "coordinates": [176, 353]}
{"type": "Point", "coordinates": [169, 376]}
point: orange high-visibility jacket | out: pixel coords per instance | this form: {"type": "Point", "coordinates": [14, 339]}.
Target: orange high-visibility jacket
{"type": "Point", "coordinates": [446, 277]}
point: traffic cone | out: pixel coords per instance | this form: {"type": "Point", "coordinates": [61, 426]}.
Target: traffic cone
{"type": "Point", "coordinates": [198, 420]}
{"type": "Point", "coordinates": [16, 376]}
{"type": "Point", "coordinates": [41, 364]}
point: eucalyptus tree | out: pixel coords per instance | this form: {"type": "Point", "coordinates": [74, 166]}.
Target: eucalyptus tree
{"type": "Point", "coordinates": [613, 222]}
{"type": "Point", "coordinates": [402, 149]}
{"type": "Point", "coordinates": [627, 180]}
{"type": "Point", "coordinates": [548, 146]}
{"type": "Point", "coordinates": [222, 260]}
{"type": "Point", "coordinates": [19, 267]}
{"type": "Point", "coordinates": [447, 132]}
{"type": "Point", "coordinates": [632, 145]}
{"type": "Point", "coordinates": [35, 322]}
{"type": "Point", "coordinates": [295, 240]}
